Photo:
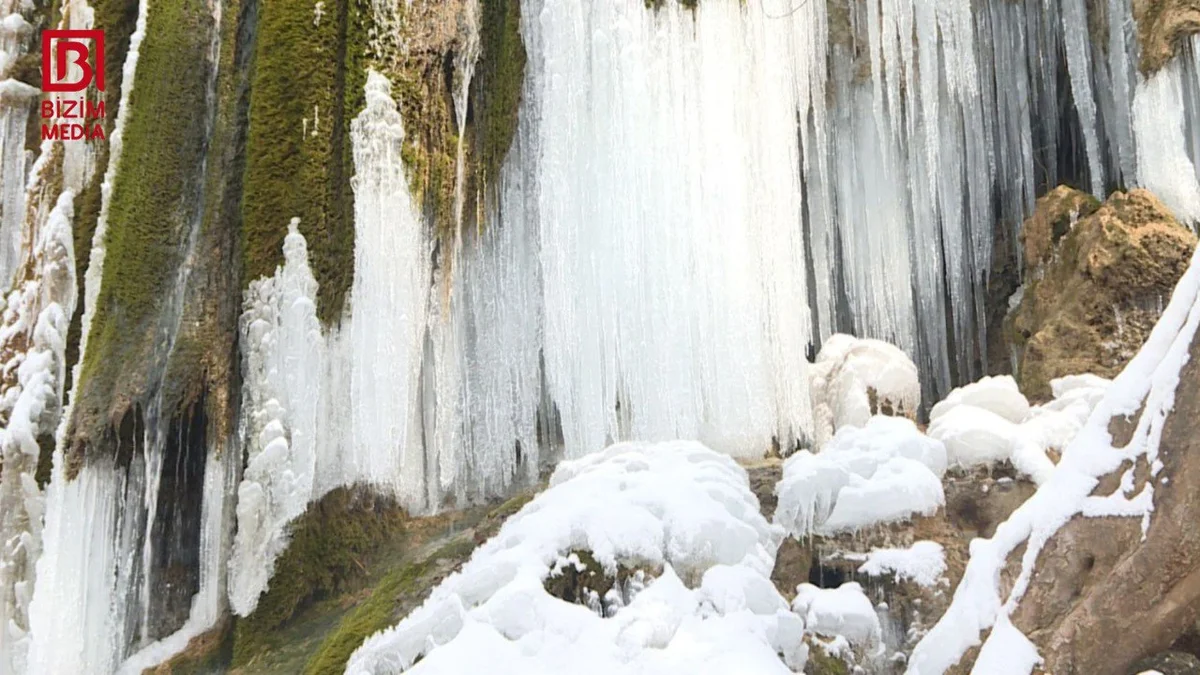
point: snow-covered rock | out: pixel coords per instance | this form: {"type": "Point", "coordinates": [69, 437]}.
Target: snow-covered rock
{"type": "Point", "coordinates": [883, 472]}
{"type": "Point", "coordinates": [854, 379]}
{"type": "Point", "coordinates": [997, 394]}
{"type": "Point", "coordinates": [923, 563]}
{"type": "Point", "coordinates": [844, 611]}
{"type": "Point", "coordinates": [675, 505]}
{"type": "Point", "coordinates": [978, 424]}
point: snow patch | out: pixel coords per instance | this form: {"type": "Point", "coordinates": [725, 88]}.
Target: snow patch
{"type": "Point", "coordinates": [843, 611]}
{"type": "Point", "coordinates": [923, 563]}
{"type": "Point", "coordinates": [850, 374]}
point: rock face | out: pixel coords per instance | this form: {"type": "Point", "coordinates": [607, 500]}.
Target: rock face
{"type": "Point", "coordinates": [1096, 279]}
{"type": "Point", "coordinates": [1162, 26]}
{"type": "Point", "coordinates": [1103, 596]}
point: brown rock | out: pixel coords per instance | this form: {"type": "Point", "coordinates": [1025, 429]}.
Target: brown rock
{"type": "Point", "coordinates": [1096, 280]}
{"type": "Point", "coordinates": [1162, 27]}
{"type": "Point", "coordinates": [1102, 596]}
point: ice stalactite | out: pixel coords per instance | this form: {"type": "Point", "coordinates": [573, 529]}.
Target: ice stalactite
{"type": "Point", "coordinates": [669, 223]}
{"type": "Point", "coordinates": [33, 341]}
{"type": "Point", "coordinates": [16, 102]}
{"type": "Point", "coordinates": [284, 367]}
{"type": "Point", "coordinates": [1079, 63]}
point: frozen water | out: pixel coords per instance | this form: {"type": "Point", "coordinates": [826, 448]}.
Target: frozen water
{"type": "Point", "coordinates": [923, 563]}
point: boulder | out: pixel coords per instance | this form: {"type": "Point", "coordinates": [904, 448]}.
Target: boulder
{"type": "Point", "coordinates": [1097, 277]}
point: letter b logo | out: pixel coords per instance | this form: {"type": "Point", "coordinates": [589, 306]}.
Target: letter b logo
{"type": "Point", "coordinates": [62, 49]}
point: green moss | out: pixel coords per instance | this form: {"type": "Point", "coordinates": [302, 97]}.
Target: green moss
{"type": "Point", "coordinates": [369, 617]}
{"type": "Point", "coordinates": [821, 662]}
{"type": "Point", "coordinates": [327, 550]}
{"type": "Point", "coordinates": [297, 147]}
{"type": "Point", "coordinates": [501, 72]}
{"type": "Point", "coordinates": [117, 18]}
{"type": "Point", "coordinates": [149, 210]}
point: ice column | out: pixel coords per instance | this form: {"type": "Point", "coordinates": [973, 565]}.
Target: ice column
{"type": "Point", "coordinates": [284, 372]}
{"type": "Point", "coordinates": [389, 296]}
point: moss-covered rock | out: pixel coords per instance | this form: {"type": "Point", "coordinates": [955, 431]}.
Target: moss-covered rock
{"type": "Point", "coordinates": [327, 550]}
{"type": "Point", "coordinates": [150, 215]}
{"type": "Point", "coordinates": [306, 86]}
{"type": "Point", "coordinates": [497, 86]}
{"type": "Point", "coordinates": [821, 662]}
{"type": "Point", "coordinates": [1094, 285]}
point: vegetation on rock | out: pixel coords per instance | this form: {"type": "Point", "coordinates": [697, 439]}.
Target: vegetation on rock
{"type": "Point", "coordinates": [307, 84]}
{"type": "Point", "coordinates": [1097, 277]}
{"type": "Point", "coordinates": [152, 209]}
{"type": "Point", "coordinates": [327, 550]}
{"type": "Point", "coordinates": [497, 87]}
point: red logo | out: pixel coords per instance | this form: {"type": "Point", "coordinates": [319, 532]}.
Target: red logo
{"type": "Point", "coordinates": [61, 48]}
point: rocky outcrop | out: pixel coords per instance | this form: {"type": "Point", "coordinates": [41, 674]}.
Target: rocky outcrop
{"type": "Point", "coordinates": [1162, 26]}
{"type": "Point", "coordinates": [1096, 279]}
{"type": "Point", "coordinates": [1104, 594]}
{"type": "Point", "coordinates": [976, 503]}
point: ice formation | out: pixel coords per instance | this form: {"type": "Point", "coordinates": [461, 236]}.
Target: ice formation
{"type": "Point", "coordinates": [853, 379]}
{"type": "Point", "coordinates": [882, 472]}
{"type": "Point", "coordinates": [1145, 389]}
{"type": "Point", "coordinates": [677, 507]}
{"type": "Point", "coordinates": [982, 423]}
{"type": "Point", "coordinates": [998, 395]}
{"type": "Point", "coordinates": [923, 563]}
{"type": "Point", "coordinates": [1159, 122]}
{"type": "Point", "coordinates": [33, 340]}
{"type": "Point", "coordinates": [284, 354]}
{"type": "Point", "coordinates": [16, 100]}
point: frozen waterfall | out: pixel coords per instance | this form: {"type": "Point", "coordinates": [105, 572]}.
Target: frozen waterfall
{"type": "Point", "coordinates": [695, 201]}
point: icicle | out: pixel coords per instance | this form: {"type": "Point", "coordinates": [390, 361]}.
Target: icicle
{"type": "Point", "coordinates": [16, 99]}
{"type": "Point", "coordinates": [1075, 38]}
{"type": "Point", "coordinates": [670, 224]}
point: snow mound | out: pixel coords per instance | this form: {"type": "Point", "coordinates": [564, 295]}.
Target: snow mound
{"type": "Point", "coordinates": [883, 472]}
{"type": "Point", "coordinates": [854, 379]}
{"type": "Point", "coordinates": [675, 505]}
{"type": "Point", "coordinates": [979, 425]}
{"type": "Point", "coordinates": [923, 563]}
{"type": "Point", "coordinates": [999, 395]}
{"type": "Point", "coordinates": [844, 611]}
